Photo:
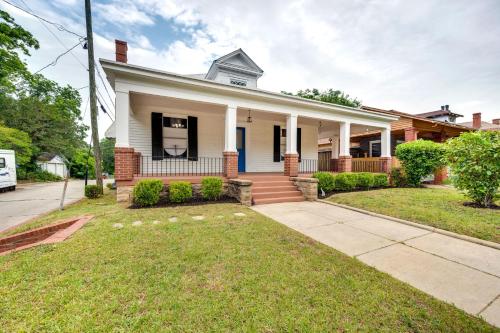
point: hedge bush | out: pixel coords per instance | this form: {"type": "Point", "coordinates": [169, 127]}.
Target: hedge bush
{"type": "Point", "coordinates": [326, 181]}
{"type": "Point", "coordinates": [474, 158]}
{"type": "Point", "coordinates": [92, 191]}
{"type": "Point", "coordinates": [365, 180]}
{"type": "Point", "coordinates": [147, 192]}
{"type": "Point", "coordinates": [380, 180]}
{"type": "Point", "coordinates": [180, 191]}
{"type": "Point", "coordinates": [398, 177]}
{"type": "Point", "coordinates": [420, 158]}
{"type": "Point", "coordinates": [346, 181]}
{"type": "Point", "coordinates": [211, 188]}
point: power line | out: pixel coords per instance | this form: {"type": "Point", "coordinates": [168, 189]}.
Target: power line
{"type": "Point", "coordinates": [54, 62]}
{"type": "Point", "coordinates": [59, 27]}
{"type": "Point", "coordinates": [103, 109]}
{"type": "Point", "coordinates": [103, 83]}
{"type": "Point", "coordinates": [105, 103]}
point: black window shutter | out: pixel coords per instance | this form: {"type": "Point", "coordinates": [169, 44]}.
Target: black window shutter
{"type": "Point", "coordinates": [276, 144]}
{"type": "Point", "coordinates": [193, 138]}
{"type": "Point", "coordinates": [156, 136]}
{"type": "Point", "coordinates": [299, 142]}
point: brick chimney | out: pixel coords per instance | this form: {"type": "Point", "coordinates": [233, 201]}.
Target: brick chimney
{"type": "Point", "coordinates": [476, 120]}
{"type": "Point", "coordinates": [121, 51]}
{"type": "Point", "coordinates": [496, 121]}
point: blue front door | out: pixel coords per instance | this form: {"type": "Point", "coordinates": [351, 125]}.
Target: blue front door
{"type": "Point", "coordinates": [240, 146]}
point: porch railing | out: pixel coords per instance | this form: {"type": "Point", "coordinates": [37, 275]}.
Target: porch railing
{"type": "Point", "coordinates": [308, 165]}
{"type": "Point", "coordinates": [202, 166]}
{"type": "Point", "coordinates": [368, 164]}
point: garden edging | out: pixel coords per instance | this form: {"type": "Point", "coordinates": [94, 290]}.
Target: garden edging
{"type": "Point", "coordinates": [418, 225]}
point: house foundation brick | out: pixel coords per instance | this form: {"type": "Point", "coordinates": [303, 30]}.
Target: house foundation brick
{"type": "Point", "coordinates": [230, 164]}
{"type": "Point", "coordinates": [124, 163]}
{"type": "Point", "coordinates": [308, 187]}
{"type": "Point", "coordinates": [137, 163]}
{"type": "Point", "coordinates": [440, 175]}
{"type": "Point", "coordinates": [345, 164]}
{"type": "Point", "coordinates": [291, 165]}
{"type": "Point", "coordinates": [385, 164]}
{"type": "Point", "coordinates": [410, 134]}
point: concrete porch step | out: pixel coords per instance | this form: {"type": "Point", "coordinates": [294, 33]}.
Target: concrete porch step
{"type": "Point", "coordinates": [264, 189]}
{"type": "Point", "coordinates": [265, 178]}
{"type": "Point", "coordinates": [260, 184]}
{"type": "Point", "coordinates": [274, 194]}
{"type": "Point", "coordinates": [277, 200]}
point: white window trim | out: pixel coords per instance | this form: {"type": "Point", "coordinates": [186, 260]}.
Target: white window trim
{"type": "Point", "coordinates": [371, 143]}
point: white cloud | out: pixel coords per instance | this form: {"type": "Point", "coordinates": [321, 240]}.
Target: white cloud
{"type": "Point", "coordinates": [122, 13]}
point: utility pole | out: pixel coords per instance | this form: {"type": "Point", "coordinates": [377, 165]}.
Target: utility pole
{"type": "Point", "coordinates": [93, 97]}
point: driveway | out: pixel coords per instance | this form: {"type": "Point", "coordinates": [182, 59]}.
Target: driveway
{"type": "Point", "coordinates": [453, 270]}
{"type": "Point", "coordinates": [31, 200]}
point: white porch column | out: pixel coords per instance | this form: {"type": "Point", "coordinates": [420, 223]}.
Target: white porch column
{"type": "Point", "coordinates": [122, 115]}
{"type": "Point", "coordinates": [385, 142]}
{"type": "Point", "coordinates": [291, 134]}
{"type": "Point", "coordinates": [230, 129]}
{"type": "Point", "coordinates": [335, 147]}
{"type": "Point", "coordinates": [345, 138]}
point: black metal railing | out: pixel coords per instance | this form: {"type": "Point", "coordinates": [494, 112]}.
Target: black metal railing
{"type": "Point", "coordinates": [201, 166]}
{"type": "Point", "coordinates": [308, 165]}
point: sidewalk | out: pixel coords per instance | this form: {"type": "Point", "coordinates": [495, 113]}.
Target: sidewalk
{"type": "Point", "coordinates": [453, 270]}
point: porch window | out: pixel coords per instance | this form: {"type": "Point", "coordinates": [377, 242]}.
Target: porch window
{"type": "Point", "coordinates": [375, 148]}
{"type": "Point", "coordinates": [2, 162]}
{"type": "Point", "coordinates": [283, 144]}
{"type": "Point", "coordinates": [175, 137]}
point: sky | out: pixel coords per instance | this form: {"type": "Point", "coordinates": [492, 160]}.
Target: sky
{"type": "Point", "coordinates": [411, 56]}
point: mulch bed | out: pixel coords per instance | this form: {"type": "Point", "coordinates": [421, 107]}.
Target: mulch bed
{"type": "Point", "coordinates": [193, 202]}
{"type": "Point", "coordinates": [475, 205]}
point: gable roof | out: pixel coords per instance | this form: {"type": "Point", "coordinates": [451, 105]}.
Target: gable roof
{"type": "Point", "coordinates": [438, 113]}
{"type": "Point", "coordinates": [223, 62]}
{"type": "Point", "coordinates": [484, 125]}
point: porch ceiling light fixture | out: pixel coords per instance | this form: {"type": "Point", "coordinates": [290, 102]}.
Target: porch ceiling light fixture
{"type": "Point", "coordinates": [249, 118]}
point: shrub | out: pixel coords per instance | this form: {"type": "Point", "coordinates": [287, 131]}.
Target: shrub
{"type": "Point", "coordinates": [345, 181]}
{"type": "Point", "coordinates": [380, 180]}
{"type": "Point", "coordinates": [92, 191]}
{"type": "Point", "coordinates": [147, 192]}
{"type": "Point", "coordinates": [365, 180]}
{"type": "Point", "coordinates": [326, 181]}
{"type": "Point", "coordinates": [211, 188]}
{"type": "Point", "coordinates": [42, 176]}
{"type": "Point", "coordinates": [398, 177]}
{"type": "Point", "coordinates": [419, 159]}
{"type": "Point", "coordinates": [180, 191]}
{"type": "Point", "coordinates": [474, 158]}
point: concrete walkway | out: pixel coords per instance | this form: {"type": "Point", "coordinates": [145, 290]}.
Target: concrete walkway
{"type": "Point", "coordinates": [456, 271]}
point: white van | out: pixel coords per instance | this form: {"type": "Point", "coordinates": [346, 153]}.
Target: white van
{"type": "Point", "coordinates": [8, 179]}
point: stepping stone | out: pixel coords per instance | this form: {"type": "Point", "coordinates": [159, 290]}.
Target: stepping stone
{"type": "Point", "coordinates": [198, 217]}
{"type": "Point", "coordinates": [137, 223]}
{"type": "Point", "coordinates": [118, 225]}
{"type": "Point", "coordinates": [156, 222]}
{"type": "Point", "coordinates": [240, 214]}
{"type": "Point", "coordinates": [172, 219]}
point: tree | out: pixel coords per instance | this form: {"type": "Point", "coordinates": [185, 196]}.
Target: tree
{"type": "Point", "coordinates": [474, 158]}
{"type": "Point", "coordinates": [419, 159]}
{"type": "Point", "coordinates": [13, 39]}
{"type": "Point", "coordinates": [79, 163]}
{"type": "Point", "coordinates": [327, 96]}
{"type": "Point", "coordinates": [11, 138]}
{"type": "Point", "coordinates": [108, 155]}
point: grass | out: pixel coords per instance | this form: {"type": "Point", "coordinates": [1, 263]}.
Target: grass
{"type": "Point", "coordinates": [225, 273]}
{"type": "Point", "coordinates": [441, 208]}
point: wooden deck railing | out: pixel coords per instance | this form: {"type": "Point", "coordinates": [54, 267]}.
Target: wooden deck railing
{"type": "Point", "coordinates": [368, 164]}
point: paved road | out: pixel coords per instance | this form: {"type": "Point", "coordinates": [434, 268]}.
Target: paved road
{"type": "Point", "coordinates": [31, 200]}
{"type": "Point", "coordinates": [453, 270]}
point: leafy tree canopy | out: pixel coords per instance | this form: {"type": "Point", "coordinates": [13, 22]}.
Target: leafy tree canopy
{"type": "Point", "coordinates": [11, 138]}
{"type": "Point", "coordinates": [108, 155]}
{"type": "Point", "coordinates": [13, 39]}
{"type": "Point", "coordinates": [79, 164]}
{"type": "Point", "coordinates": [327, 96]}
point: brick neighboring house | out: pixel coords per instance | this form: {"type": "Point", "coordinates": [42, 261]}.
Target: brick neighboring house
{"type": "Point", "coordinates": [478, 124]}
{"type": "Point", "coordinates": [365, 147]}
{"type": "Point", "coordinates": [173, 126]}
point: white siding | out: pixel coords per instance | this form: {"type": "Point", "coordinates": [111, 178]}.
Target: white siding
{"type": "Point", "coordinates": [259, 139]}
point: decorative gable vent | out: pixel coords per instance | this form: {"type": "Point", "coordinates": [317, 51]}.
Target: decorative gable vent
{"type": "Point", "coordinates": [235, 68]}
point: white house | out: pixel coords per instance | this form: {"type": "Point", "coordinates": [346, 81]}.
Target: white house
{"type": "Point", "coordinates": [52, 163]}
{"type": "Point", "coordinates": [176, 126]}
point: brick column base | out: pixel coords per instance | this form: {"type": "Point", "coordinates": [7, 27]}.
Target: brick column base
{"type": "Point", "coordinates": [440, 175]}
{"type": "Point", "coordinates": [411, 134]}
{"type": "Point", "coordinates": [231, 164]}
{"type": "Point", "coordinates": [137, 163]}
{"type": "Point", "coordinates": [124, 163]}
{"type": "Point", "coordinates": [385, 164]}
{"type": "Point", "coordinates": [291, 165]}
{"type": "Point", "coordinates": [345, 164]}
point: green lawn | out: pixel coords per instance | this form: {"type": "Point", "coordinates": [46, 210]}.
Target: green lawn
{"type": "Point", "coordinates": [221, 274]}
{"type": "Point", "coordinates": [441, 208]}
